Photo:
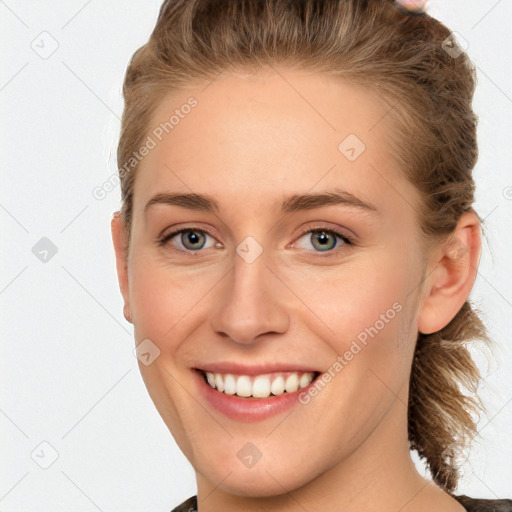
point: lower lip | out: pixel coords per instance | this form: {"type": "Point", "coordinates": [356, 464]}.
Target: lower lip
{"type": "Point", "coordinates": [247, 409]}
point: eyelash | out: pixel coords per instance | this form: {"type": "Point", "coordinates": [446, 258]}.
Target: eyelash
{"type": "Point", "coordinates": [348, 241]}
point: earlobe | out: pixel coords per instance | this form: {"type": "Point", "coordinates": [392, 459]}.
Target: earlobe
{"type": "Point", "coordinates": [453, 272]}
{"type": "Point", "coordinates": [118, 238]}
{"type": "Point", "coordinates": [127, 313]}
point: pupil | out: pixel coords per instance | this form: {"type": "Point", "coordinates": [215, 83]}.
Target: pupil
{"type": "Point", "coordinates": [192, 237]}
{"type": "Point", "coordinates": [323, 238]}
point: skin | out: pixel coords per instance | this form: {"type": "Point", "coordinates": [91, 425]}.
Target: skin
{"type": "Point", "coordinates": [251, 141]}
{"type": "Point", "coordinates": [414, 6]}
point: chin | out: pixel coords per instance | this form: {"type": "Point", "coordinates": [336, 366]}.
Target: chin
{"type": "Point", "coordinates": [261, 485]}
{"type": "Point", "coordinates": [266, 478]}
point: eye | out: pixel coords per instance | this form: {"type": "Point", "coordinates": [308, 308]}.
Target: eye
{"type": "Point", "coordinates": [190, 239]}
{"type": "Point", "coordinates": [325, 240]}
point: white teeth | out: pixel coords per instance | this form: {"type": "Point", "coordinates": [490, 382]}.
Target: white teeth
{"type": "Point", "coordinates": [211, 379]}
{"type": "Point", "coordinates": [304, 381]}
{"type": "Point", "coordinates": [260, 386]}
{"type": "Point", "coordinates": [277, 386]}
{"type": "Point", "coordinates": [219, 382]}
{"type": "Point", "coordinates": [229, 384]}
{"type": "Point", "coordinates": [292, 383]}
{"type": "Point", "coordinates": [243, 385]}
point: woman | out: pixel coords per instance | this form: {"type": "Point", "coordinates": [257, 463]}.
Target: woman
{"type": "Point", "coordinates": [296, 247]}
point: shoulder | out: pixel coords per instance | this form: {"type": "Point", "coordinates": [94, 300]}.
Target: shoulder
{"type": "Point", "coordinates": [189, 505]}
{"type": "Point", "coordinates": [481, 505]}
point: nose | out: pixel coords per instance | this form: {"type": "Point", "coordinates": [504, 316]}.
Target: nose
{"type": "Point", "coordinates": [251, 303]}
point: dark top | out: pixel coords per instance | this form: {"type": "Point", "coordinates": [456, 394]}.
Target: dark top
{"type": "Point", "coordinates": [470, 504]}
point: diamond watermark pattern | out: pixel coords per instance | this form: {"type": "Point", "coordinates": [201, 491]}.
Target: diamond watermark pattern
{"type": "Point", "coordinates": [351, 147]}
{"type": "Point", "coordinates": [455, 45]}
{"type": "Point", "coordinates": [249, 455]}
{"type": "Point", "coordinates": [249, 249]}
{"type": "Point", "coordinates": [44, 455]}
{"type": "Point", "coordinates": [45, 45]}
{"type": "Point", "coordinates": [44, 250]}
{"type": "Point", "coordinates": [146, 352]}
{"type": "Point", "coordinates": [457, 250]}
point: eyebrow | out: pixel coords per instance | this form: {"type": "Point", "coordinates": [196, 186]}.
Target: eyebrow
{"type": "Point", "coordinates": [290, 204]}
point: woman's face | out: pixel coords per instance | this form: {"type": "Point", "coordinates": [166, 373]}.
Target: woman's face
{"type": "Point", "coordinates": [254, 289]}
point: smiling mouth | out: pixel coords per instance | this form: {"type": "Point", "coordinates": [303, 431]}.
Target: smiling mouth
{"type": "Point", "coordinates": [259, 386]}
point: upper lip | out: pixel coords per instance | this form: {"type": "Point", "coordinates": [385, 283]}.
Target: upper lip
{"type": "Point", "coordinates": [254, 369]}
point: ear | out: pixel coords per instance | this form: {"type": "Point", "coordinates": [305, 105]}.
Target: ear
{"type": "Point", "coordinates": [450, 275]}
{"type": "Point", "coordinates": [118, 229]}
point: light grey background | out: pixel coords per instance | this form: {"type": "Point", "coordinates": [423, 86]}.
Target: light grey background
{"type": "Point", "coordinates": [70, 379]}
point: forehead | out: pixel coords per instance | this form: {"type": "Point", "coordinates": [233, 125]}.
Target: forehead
{"type": "Point", "coordinates": [262, 136]}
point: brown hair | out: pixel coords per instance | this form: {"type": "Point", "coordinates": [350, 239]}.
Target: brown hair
{"type": "Point", "coordinates": [429, 92]}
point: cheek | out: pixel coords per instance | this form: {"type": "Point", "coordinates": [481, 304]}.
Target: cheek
{"type": "Point", "coordinates": [361, 300]}
{"type": "Point", "coordinates": [362, 312]}
{"type": "Point", "coordinates": [366, 293]}
{"type": "Point", "coordinates": [164, 299]}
